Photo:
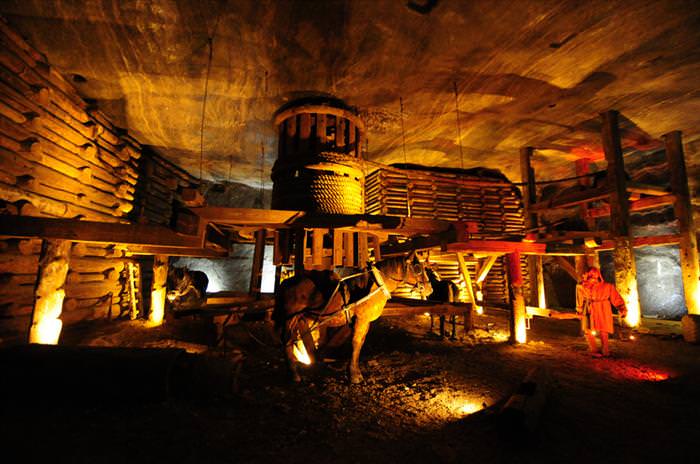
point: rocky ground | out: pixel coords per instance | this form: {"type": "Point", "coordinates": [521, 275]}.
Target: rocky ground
{"type": "Point", "coordinates": [423, 400]}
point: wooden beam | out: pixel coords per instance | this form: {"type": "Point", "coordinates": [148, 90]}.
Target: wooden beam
{"type": "Point", "coordinates": [572, 199]}
{"type": "Point", "coordinates": [527, 175]}
{"type": "Point", "coordinates": [684, 212]}
{"type": "Point", "coordinates": [646, 189]}
{"type": "Point", "coordinates": [638, 205]}
{"type": "Point", "coordinates": [349, 249]}
{"type": "Point", "coordinates": [362, 250]}
{"type": "Point", "coordinates": [94, 232]}
{"type": "Point", "coordinates": [539, 282]}
{"type": "Point", "coordinates": [484, 270]}
{"type": "Point", "coordinates": [497, 247]}
{"type": "Point", "coordinates": [49, 292]}
{"type": "Point", "coordinates": [568, 267]}
{"type": "Point", "coordinates": [467, 278]}
{"type": "Point", "coordinates": [258, 260]}
{"type": "Point", "coordinates": [132, 250]}
{"type": "Point", "coordinates": [337, 247]}
{"type": "Point", "coordinates": [317, 247]}
{"type": "Point", "coordinates": [623, 253]}
{"type": "Point", "coordinates": [299, 250]}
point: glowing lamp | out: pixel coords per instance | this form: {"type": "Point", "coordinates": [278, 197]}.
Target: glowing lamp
{"type": "Point", "coordinates": [632, 337]}
{"type": "Point", "coordinates": [480, 310]}
{"type": "Point", "coordinates": [594, 333]}
{"type": "Point", "coordinates": [426, 314]}
{"type": "Point", "coordinates": [300, 353]}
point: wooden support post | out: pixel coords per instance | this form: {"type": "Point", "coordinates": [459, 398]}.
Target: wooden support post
{"type": "Point", "coordinates": [299, 249]}
{"type": "Point", "coordinates": [529, 198]}
{"type": "Point", "coordinates": [349, 249]}
{"type": "Point", "coordinates": [583, 263]}
{"type": "Point", "coordinates": [317, 248]}
{"type": "Point", "coordinates": [539, 271]}
{"type": "Point", "coordinates": [158, 289]}
{"type": "Point", "coordinates": [470, 292]}
{"type": "Point", "coordinates": [337, 247]}
{"type": "Point", "coordinates": [133, 293]}
{"type": "Point", "coordinates": [376, 246]}
{"type": "Point", "coordinates": [684, 212]}
{"type": "Point", "coordinates": [623, 254]}
{"type": "Point", "coordinates": [362, 250]}
{"type": "Point", "coordinates": [258, 258]}
{"type": "Point", "coordinates": [518, 329]}
{"type": "Point", "coordinates": [49, 292]}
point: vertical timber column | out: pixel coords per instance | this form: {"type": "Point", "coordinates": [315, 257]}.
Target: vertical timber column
{"type": "Point", "coordinates": [518, 328]}
{"type": "Point", "coordinates": [258, 257]}
{"type": "Point", "coordinates": [530, 197]}
{"type": "Point", "coordinates": [299, 249]}
{"type": "Point", "coordinates": [623, 253]}
{"type": "Point", "coordinates": [684, 212]}
{"type": "Point", "coordinates": [158, 289]}
{"type": "Point", "coordinates": [49, 292]}
{"type": "Point", "coordinates": [590, 259]}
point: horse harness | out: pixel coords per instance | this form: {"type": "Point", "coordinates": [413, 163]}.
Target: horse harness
{"type": "Point", "coordinates": [323, 317]}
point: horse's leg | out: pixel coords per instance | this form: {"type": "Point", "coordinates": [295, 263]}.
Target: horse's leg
{"type": "Point", "coordinates": [442, 326]}
{"type": "Point", "coordinates": [431, 323]}
{"type": "Point", "coordinates": [358, 339]}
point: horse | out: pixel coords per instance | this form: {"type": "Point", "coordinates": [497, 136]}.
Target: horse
{"type": "Point", "coordinates": [186, 288]}
{"type": "Point", "coordinates": [444, 291]}
{"type": "Point", "coordinates": [312, 299]}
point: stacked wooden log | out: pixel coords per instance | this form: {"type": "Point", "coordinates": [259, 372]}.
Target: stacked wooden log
{"type": "Point", "coordinates": [160, 190]}
{"type": "Point", "coordinates": [59, 157]}
{"type": "Point", "coordinates": [491, 202]}
{"type": "Point", "coordinates": [482, 197]}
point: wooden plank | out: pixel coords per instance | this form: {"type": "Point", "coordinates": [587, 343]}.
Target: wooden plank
{"type": "Point", "coordinates": [258, 259]}
{"type": "Point", "coordinates": [638, 205]}
{"type": "Point", "coordinates": [572, 199]}
{"type": "Point", "coordinates": [467, 277]}
{"type": "Point", "coordinates": [683, 209]}
{"type": "Point", "coordinates": [95, 232]}
{"type": "Point", "coordinates": [646, 189]}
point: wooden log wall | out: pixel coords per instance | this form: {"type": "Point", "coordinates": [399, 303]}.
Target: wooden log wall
{"type": "Point", "coordinates": [493, 204]}
{"type": "Point", "coordinates": [159, 190]}
{"type": "Point", "coordinates": [59, 157]}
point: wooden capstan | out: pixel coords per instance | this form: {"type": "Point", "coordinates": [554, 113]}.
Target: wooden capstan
{"type": "Point", "coordinates": [318, 164]}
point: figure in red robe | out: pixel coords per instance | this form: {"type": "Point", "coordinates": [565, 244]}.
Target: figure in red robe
{"type": "Point", "coordinates": [594, 301]}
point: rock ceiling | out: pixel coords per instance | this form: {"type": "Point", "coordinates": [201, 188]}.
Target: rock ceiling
{"type": "Point", "coordinates": [526, 72]}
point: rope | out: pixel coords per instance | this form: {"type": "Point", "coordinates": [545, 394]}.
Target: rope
{"type": "Point", "coordinates": [210, 41]}
{"type": "Point", "coordinates": [459, 127]}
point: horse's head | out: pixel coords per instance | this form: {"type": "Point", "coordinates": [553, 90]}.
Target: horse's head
{"type": "Point", "coordinates": [416, 275]}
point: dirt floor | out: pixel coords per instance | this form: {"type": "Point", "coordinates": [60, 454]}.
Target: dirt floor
{"type": "Point", "coordinates": [423, 400]}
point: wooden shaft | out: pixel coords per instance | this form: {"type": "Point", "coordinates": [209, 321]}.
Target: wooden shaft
{"type": "Point", "coordinates": [684, 212]}
{"type": "Point", "coordinates": [518, 311]}
{"type": "Point", "coordinates": [49, 292]}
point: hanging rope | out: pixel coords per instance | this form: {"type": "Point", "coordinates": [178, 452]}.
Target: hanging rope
{"type": "Point", "coordinates": [210, 42]}
{"type": "Point", "coordinates": [459, 127]}
{"type": "Point", "coordinates": [262, 172]}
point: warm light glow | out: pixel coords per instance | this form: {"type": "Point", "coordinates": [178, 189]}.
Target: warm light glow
{"type": "Point", "coordinates": [300, 352]}
{"type": "Point", "coordinates": [479, 295]}
{"type": "Point", "coordinates": [594, 333]}
{"type": "Point", "coordinates": [172, 296]}
{"type": "Point", "coordinates": [470, 407]}
{"type": "Point", "coordinates": [426, 314]}
{"type": "Point", "coordinates": [521, 331]}
{"type": "Point", "coordinates": [46, 327]}
{"type": "Point", "coordinates": [480, 310]}
{"type": "Point", "coordinates": [632, 337]}
{"type": "Point", "coordinates": [155, 317]}
{"type": "Point", "coordinates": [633, 311]}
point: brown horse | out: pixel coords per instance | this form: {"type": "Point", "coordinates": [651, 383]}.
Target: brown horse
{"type": "Point", "coordinates": [316, 299]}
